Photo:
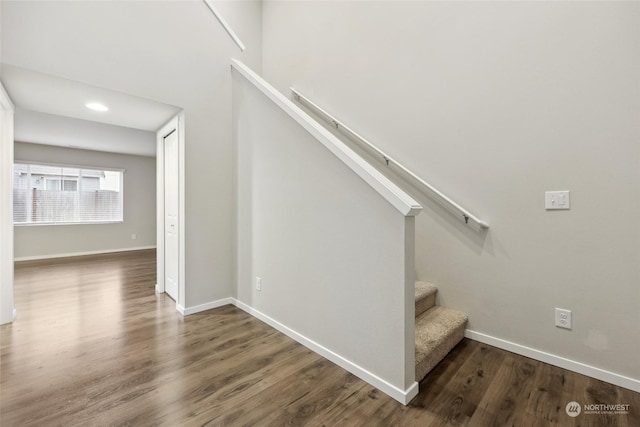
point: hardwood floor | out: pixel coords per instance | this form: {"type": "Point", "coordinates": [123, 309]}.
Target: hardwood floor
{"type": "Point", "coordinates": [94, 345]}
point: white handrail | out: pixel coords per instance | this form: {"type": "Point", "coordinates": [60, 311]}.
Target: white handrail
{"type": "Point", "coordinates": [427, 188]}
{"type": "Point", "coordinates": [225, 25]}
{"type": "Point", "coordinates": [383, 185]}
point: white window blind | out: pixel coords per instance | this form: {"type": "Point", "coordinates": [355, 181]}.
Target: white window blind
{"type": "Point", "coordinates": [47, 194]}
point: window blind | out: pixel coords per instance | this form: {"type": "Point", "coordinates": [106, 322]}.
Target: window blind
{"type": "Point", "coordinates": [48, 194]}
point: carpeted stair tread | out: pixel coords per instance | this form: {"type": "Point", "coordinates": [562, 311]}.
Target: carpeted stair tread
{"type": "Point", "coordinates": [437, 331]}
{"type": "Point", "coordinates": [425, 297]}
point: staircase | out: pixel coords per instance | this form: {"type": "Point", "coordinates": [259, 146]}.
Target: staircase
{"type": "Point", "coordinates": [437, 329]}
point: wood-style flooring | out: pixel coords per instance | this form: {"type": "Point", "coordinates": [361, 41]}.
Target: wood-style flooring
{"type": "Point", "coordinates": [94, 345]}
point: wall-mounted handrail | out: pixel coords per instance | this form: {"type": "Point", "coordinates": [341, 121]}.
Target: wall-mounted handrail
{"type": "Point", "coordinates": [225, 25]}
{"type": "Point", "coordinates": [435, 194]}
{"type": "Point", "coordinates": [396, 196]}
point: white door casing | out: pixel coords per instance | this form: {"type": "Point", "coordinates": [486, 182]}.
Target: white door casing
{"type": "Point", "coordinates": [7, 310]}
{"type": "Point", "coordinates": [171, 212]}
{"type": "Point", "coordinates": [176, 213]}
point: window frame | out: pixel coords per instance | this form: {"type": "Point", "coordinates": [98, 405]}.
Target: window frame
{"type": "Point", "coordinates": [79, 189]}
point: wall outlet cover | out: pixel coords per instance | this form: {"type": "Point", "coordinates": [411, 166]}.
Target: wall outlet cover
{"type": "Point", "coordinates": [563, 318]}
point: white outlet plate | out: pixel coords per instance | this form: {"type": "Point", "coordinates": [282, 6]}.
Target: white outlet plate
{"type": "Point", "coordinates": [134, 236]}
{"type": "Point", "coordinates": [258, 284]}
{"type": "Point", "coordinates": [563, 318]}
{"type": "Point", "coordinates": [557, 200]}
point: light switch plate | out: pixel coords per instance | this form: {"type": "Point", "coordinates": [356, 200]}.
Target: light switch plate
{"type": "Point", "coordinates": [557, 200]}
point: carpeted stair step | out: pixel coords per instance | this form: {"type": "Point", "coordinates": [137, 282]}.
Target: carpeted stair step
{"type": "Point", "coordinates": [425, 297]}
{"type": "Point", "coordinates": [438, 330]}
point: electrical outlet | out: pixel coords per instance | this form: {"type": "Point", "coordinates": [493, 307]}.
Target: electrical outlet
{"type": "Point", "coordinates": [258, 284]}
{"type": "Point", "coordinates": [563, 318]}
{"type": "Point", "coordinates": [134, 236]}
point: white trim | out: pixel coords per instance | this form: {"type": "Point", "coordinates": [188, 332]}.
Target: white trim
{"type": "Point", "coordinates": [5, 100]}
{"type": "Point", "coordinates": [69, 165]}
{"type": "Point", "coordinates": [38, 224]}
{"type": "Point", "coordinates": [204, 307]}
{"type": "Point", "coordinates": [160, 209]}
{"type": "Point", "coordinates": [225, 25]}
{"type": "Point", "coordinates": [182, 286]}
{"type": "Point", "coordinates": [83, 253]}
{"type": "Point", "coordinates": [7, 307]}
{"type": "Point", "coordinates": [177, 123]}
{"type": "Point", "coordinates": [552, 359]}
{"type": "Point", "coordinates": [387, 189]}
{"type": "Point", "coordinates": [402, 396]}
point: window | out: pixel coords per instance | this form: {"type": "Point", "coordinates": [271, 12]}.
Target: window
{"type": "Point", "coordinates": [65, 184]}
{"type": "Point", "coordinates": [47, 194]}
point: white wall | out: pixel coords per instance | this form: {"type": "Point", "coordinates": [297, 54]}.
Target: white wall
{"type": "Point", "coordinates": [172, 52]}
{"type": "Point", "coordinates": [7, 311]}
{"type": "Point", "coordinates": [494, 103]}
{"type": "Point", "coordinates": [330, 250]}
{"type": "Point", "coordinates": [139, 206]}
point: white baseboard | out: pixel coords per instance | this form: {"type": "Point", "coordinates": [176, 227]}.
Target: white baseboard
{"type": "Point", "coordinates": [101, 251]}
{"type": "Point", "coordinates": [552, 359]}
{"type": "Point", "coordinates": [402, 396]}
{"type": "Point", "coordinates": [405, 396]}
{"type": "Point", "coordinates": [7, 321]}
{"type": "Point", "coordinates": [185, 311]}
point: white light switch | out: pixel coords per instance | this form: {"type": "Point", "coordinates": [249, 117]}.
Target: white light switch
{"type": "Point", "coordinates": [557, 200]}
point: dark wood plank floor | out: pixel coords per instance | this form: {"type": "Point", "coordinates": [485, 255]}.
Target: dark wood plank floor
{"type": "Point", "coordinates": [94, 345]}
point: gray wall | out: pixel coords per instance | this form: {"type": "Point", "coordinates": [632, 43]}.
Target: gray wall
{"type": "Point", "coordinates": [494, 103]}
{"type": "Point", "coordinates": [185, 63]}
{"type": "Point", "coordinates": [330, 250]}
{"type": "Point", "coordinates": [139, 206]}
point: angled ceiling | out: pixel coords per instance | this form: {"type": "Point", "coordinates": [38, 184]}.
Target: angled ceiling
{"type": "Point", "coordinates": [44, 93]}
{"type": "Point", "coordinates": [173, 53]}
{"type": "Point", "coordinates": [52, 111]}
{"type": "Point", "coordinates": [49, 129]}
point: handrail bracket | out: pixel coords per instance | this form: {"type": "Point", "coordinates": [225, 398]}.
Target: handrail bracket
{"type": "Point", "coordinates": [427, 188]}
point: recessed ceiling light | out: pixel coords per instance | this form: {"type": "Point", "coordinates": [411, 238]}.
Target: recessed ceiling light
{"type": "Point", "coordinates": [96, 106]}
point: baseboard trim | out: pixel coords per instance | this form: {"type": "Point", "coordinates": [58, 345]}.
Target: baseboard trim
{"type": "Point", "coordinates": [186, 311]}
{"type": "Point", "coordinates": [405, 396]}
{"type": "Point", "coordinates": [402, 396]}
{"type": "Point", "coordinates": [552, 359]}
{"type": "Point", "coordinates": [72, 254]}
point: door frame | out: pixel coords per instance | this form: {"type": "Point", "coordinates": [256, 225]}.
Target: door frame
{"type": "Point", "coordinates": [176, 123]}
{"type": "Point", "coordinates": [7, 308]}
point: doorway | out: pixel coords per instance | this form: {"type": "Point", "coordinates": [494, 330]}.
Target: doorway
{"type": "Point", "coordinates": [170, 218]}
